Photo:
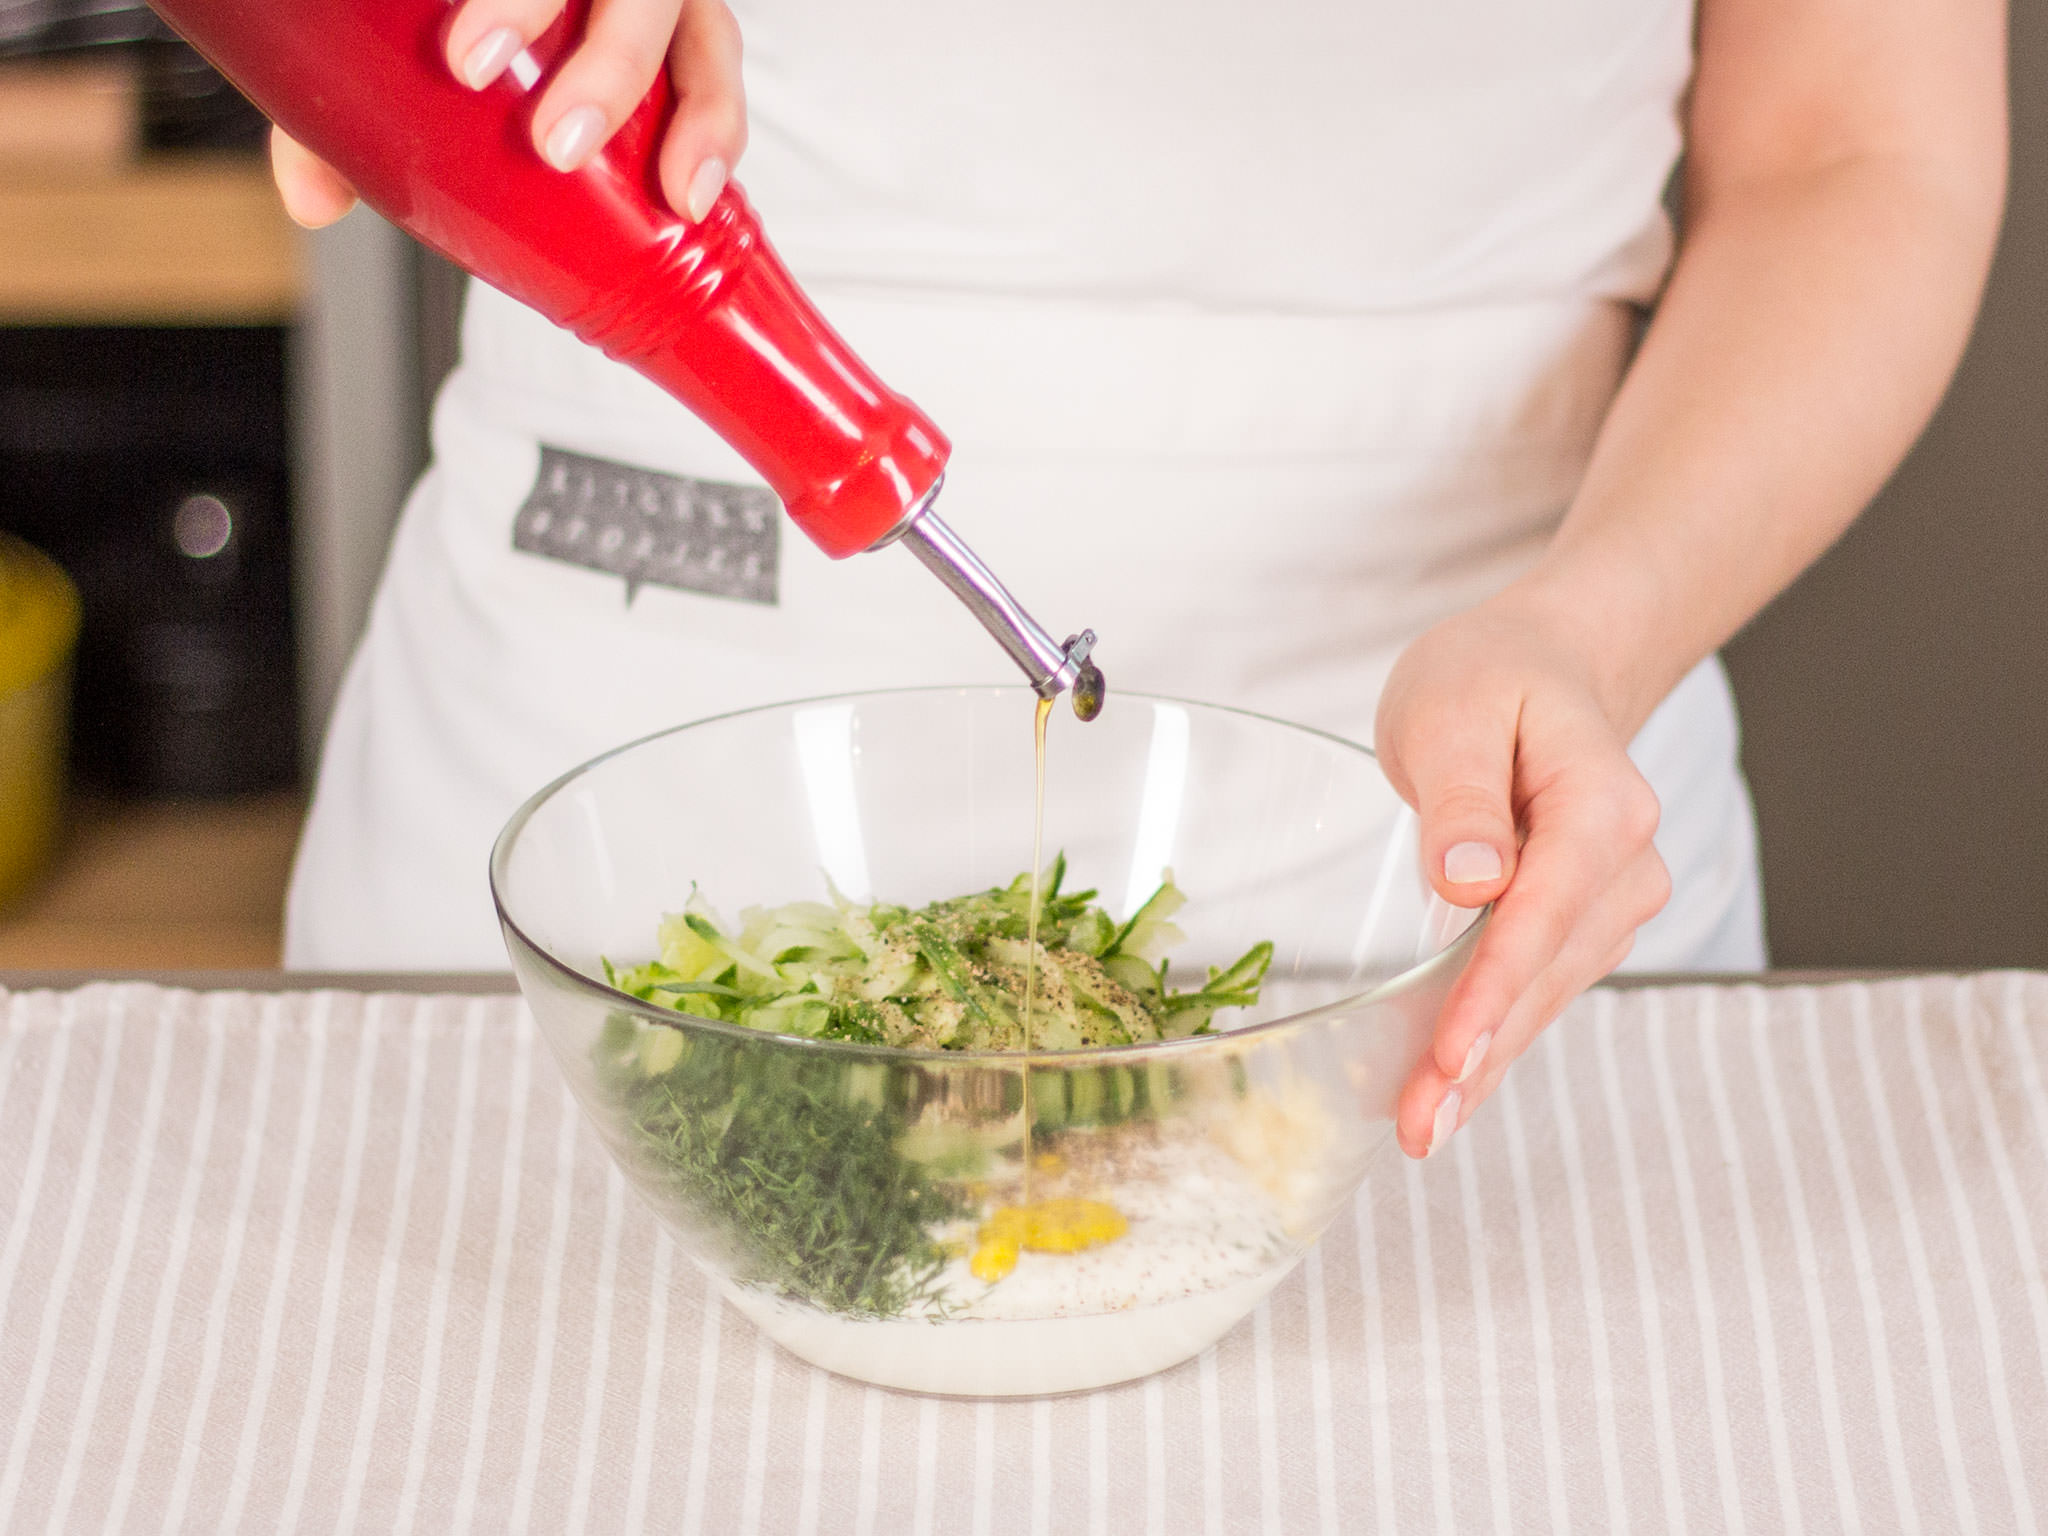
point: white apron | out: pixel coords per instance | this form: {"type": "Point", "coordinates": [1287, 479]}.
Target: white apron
{"type": "Point", "coordinates": [1257, 393]}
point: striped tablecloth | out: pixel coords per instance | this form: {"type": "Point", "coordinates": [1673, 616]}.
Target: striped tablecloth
{"type": "Point", "coordinates": [1746, 1259]}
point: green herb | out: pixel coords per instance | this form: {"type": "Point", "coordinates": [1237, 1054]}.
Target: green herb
{"type": "Point", "coordinates": [948, 976]}
{"type": "Point", "coordinates": [790, 1163]}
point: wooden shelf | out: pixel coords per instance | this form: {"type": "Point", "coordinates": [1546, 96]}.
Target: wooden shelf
{"type": "Point", "coordinates": [161, 885]}
{"type": "Point", "coordinates": [187, 240]}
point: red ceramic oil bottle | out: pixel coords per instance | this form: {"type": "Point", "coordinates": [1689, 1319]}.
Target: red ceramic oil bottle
{"type": "Point", "coordinates": [707, 310]}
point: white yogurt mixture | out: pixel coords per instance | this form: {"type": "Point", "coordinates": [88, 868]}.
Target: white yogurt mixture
{"type": "Point", "coordinates": [1197, 1224]}
{"type": "Point", "coordinates": [1021, 1358]}
{"type": "Point", "coordinates": [1206, 1243]}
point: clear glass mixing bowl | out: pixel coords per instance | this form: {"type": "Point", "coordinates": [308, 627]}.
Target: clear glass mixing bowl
{"type": "Point", "coordinates": [845, 1196]}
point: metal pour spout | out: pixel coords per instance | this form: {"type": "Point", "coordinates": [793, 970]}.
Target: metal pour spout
{"type": "Point", "coordinates": [1050, 668]}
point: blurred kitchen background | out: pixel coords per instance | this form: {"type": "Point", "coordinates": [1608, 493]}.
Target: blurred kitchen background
{"type": "Point", "coordinates": [209, 419]}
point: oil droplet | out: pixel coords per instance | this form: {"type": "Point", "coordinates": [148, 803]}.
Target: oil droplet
{"type": "Point", "coordinates": [1089, 689]}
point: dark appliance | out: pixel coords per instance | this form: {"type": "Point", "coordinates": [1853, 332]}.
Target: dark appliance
{"type": "Point", "coordinates": [151, 463]}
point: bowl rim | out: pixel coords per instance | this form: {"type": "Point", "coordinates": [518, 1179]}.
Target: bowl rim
{"type": "Point", "coordinates": [1409, 976]}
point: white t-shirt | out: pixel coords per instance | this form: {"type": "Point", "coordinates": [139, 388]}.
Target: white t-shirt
{"type": "Point", "coordinates": [1266, 337]}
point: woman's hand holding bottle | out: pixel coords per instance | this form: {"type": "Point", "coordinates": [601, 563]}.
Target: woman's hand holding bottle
{"type": "Point", "coordinates": [625, 44]}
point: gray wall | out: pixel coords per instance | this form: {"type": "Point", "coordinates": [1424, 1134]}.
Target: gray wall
{"type": "Point", "coordinates": [377, 337]}
{"type": "Point", "coordinates": [357, 420]}
{"type": "Point", "coordinates": [1895, 701]}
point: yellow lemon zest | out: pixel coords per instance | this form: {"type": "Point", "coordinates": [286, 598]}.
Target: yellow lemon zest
{"type": "Point", "coordinates": [994, 1257]}
{"type": "Point", "coordinates": [1068, 1226]}
{"type": "Point", "coordinates": [1044, 1226]}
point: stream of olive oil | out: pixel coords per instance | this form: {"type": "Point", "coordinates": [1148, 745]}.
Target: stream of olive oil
{"type": "Point", "coordinates": [1054, 1225]}
{"type": "Point", "coordinates": [1043, 714]}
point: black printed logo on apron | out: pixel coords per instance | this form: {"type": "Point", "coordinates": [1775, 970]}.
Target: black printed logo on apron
{"type": "Point", "coordinates": [663, 530]}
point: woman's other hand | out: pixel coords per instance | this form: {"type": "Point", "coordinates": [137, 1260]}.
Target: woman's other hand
{"type": "Point", "coordinates": [1493, 727]}
{"type": "Point", "coordinates": [626, 43]}
{"type": "Point", "coordinates": [1843, 176]}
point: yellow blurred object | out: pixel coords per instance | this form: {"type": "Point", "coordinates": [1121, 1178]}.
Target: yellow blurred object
{"type": "Point", "coordinates": [994, 1257]}
{"type": "Point", "coordinates": [1044, 1226]}
{"type": "Point", "coordinates": [38, 628]}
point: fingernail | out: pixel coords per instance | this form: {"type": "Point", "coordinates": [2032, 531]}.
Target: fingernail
{"type": "Point", "coordinates": [1470, 863]}
{"type": "Point", "coordinates": [1474, 1055]}
{"type": "Point", "coordinates": [574, 137]}
{"type": "Point", "coordinates": [1446, 1121]}
{"type": "Point", "coordinates": [705, 186]}
{"type": "Point", "coordinates": [488, 58]}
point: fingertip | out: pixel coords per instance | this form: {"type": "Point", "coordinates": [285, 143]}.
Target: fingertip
{"type": "Point", "coordinates": [486, 58]}
{"type": "Point", "coordinates": [1418, 1108]}
{"type": "Point", "coordinates": [1459, 1058]}
{"type": "Point", "coordinates": [708, 133]}
{"type": "Point", "coordinates": [1472, 871]}
{"type": "Point", "coordinates": [1429, 1118]}
{"type": "Point", "coordinates": [1473, 862]}
{"type": "Point", "coordinates": [1469, 846]}
{"type": "Point", "coordinates": [696, 165]}
{"type": "Point", "coordinates": [1445, 1120]}
{"type": "Point", "coordinates": [706, 185]}
{"type": "Point", "coordinates": [1413, 1143]}
{"type": "Point", "coordinates": [570, 141]}
{"type": "Point", "coordinates": [312, 192]}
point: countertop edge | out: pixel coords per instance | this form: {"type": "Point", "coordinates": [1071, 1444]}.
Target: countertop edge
{"type": "Point", "coordinates": [419, 983]}
{"type": "Point", "coordinates": [501, 983]}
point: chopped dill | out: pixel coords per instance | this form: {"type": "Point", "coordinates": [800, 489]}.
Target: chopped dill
{"type": "Point", "coordinates": [785, 1162]}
